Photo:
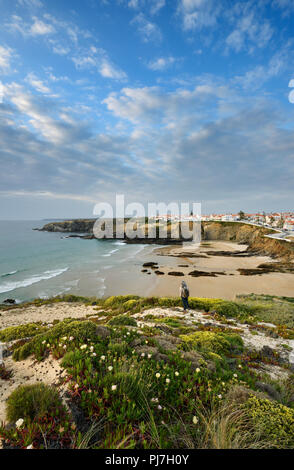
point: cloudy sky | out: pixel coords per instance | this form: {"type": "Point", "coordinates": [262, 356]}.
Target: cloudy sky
{"type": "Point", "coordinates": [160, 100]}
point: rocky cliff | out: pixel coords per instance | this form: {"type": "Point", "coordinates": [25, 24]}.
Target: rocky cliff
{"type": "Point", "coordinates": [251, 235]}
{"type": "Point", "coordinates": [70, 226]}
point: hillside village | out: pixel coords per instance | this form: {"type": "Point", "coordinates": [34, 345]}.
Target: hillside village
{"type": "Point", "coordinates": [281, 220]}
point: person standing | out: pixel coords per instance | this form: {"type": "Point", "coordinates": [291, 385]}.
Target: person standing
{"type": "Point", "coordinates": [184, 293]}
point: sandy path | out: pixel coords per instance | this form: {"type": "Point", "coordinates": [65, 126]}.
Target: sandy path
{"type": "Point", "coordinates": [45, 313]}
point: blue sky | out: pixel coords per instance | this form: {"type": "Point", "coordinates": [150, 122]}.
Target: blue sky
{"type": "Point", "coordinates": [160, 100]}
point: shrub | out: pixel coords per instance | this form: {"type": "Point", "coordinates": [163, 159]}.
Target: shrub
{"type": "Point", "coordinates": [275, 421]}
{"type": "Point", "coordinates": [116, 301]}
{"type": "Point", "coordinates": [130, 305]}
{"type": "Point", "coordinates": [122, 320]}
{"type": "Point", "coordinates": [82, 330]}
{"type": "Point", "coordinates": [31, 402]}
{"type": "Point", "coordinates": [209, 341]}
{"type": "Point", "coordinates": [22, 331]}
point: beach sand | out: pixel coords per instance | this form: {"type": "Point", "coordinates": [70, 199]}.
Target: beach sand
{"type": "Point", "coordinates": [223, 286]}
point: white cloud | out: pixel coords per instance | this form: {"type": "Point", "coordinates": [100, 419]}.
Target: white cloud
{"type": "Point", "coordinates": [148, 31]}
{"type": "Point", "coordinates": [37, 84]}
{"type": "Point", "coordinates": [161, 63]}
{"type": "Point", "coordinates": [5, 58]}
{"type": "Point", "coordinates": [133, 4]}
{"type": "Point", "coordinates": [156, 6]}
{"type": "Point", "coordinates": [39, 28]}
{"type": "Point", "coordinates": [30, 3]}
{"type": "Point", "coordinates": [250, 32]}
{"type": "Point", "coordinates": [197, 14]}
{"type": "Point", "coordinates": [108, 70]}
{"type": "Point", "coordinates": [58, 49]}
{"type": "Point", "coordinates": [98, 59]}
{"type": "Point", "coordinates": [256, 77]}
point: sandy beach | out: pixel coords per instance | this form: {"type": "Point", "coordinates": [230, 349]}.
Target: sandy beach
{"type": "Point", "coordinates": [225, 285]}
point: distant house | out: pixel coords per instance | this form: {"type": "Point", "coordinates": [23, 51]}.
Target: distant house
{"type": "Point", "coordinates": [289, 225]}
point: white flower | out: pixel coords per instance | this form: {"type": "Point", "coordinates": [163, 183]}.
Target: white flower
{"type": "Point", "coordinates": [76, 385]}
{"type": "Point", "coordinates": [84, 346]}
{"type": "Point", "coordinates": [128, 333]}
{"type": "Point", "coordinates": [240, 367]}
{"type": "Point", "coordinates": [103, 358]}
{"type": "Point", "coordinates": [197, 370]}
{"type": "Point", "coordinates": [30, 446]}
{"type": "Point", "coordinates": [195, 420]}
{"type": "Point", "coordinates": [94, 354]}
{"type": "Point", "coordinates": [177, 374]}
{"type": "Point", "coordinates": [149, 356]}
{"type": "Point", "coordinates": [19, 423]}
{"type": "Point", "coordinates": [159, 407]}
{"type": "Point", "coordinates": [167, 381]}
{"type": "Point", "coordinates": [71, 338]}
{"type": "Point", "coordinates": [235, 375]}
{"type": "Point", "coordinates": [43, 342]}
{"type": "Point", "coordinates": [143, 355]}
{"type": "Point", "coordinates": [157, 375]}
{"type": "Point", "coordinates": [146, 341]}
{"type": "Point", "coordinates": [92, 348]}
{"type": "Point", "coordinates": [64, 347]}
{"type": "Point", "coordinates": [113, 387]}
{"type": "Point", "coordinates": [220, 396]}
{"type": "Point", "coordinates": [64, 338]}
{"type": "Point", "coordinates": [110, 368]}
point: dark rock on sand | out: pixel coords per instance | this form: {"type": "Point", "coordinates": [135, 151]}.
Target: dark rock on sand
{"type": "Point", "coordinates": [9, 301]}
{"type": "Point", "coordinates": [201, 273]}
{"type": "Point", "coordinates": [159, 273]}
{"type": "Point", "coordinates": [176, 273]}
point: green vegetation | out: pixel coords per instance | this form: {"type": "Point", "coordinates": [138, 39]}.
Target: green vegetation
{"type": "Point", "coordinates": [169, 385]}
{"type": "Point", "coordinates": [31, 402]}
{"type": "Point", "coordinates": [269, 308]}
{"type": "Point", "coordinates": [208, 341]}
{"type": "Point", "coordinates": [38, 419]}
{"type": "Point", "coordinates": [41, 344]}
{"type": "Point", "coordinates": [274, 421]}
{"type": "Point", "coordinates": [123, 321]}
{"type": "Point", "coordinates": [22, 331]}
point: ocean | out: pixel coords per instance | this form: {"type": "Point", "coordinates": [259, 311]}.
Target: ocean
{"type": "Point", "coordinates": [37, 264]}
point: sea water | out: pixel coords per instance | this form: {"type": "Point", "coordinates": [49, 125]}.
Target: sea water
{"type": "Point", "coordinates": [36, 264]}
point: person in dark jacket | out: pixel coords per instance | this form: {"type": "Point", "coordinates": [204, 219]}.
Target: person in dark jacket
{"type": "Point", "coordinates": [184, 293]}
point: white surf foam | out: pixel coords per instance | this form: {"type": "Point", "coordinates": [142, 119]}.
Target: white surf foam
{"type": "Point", "coordinates": [110, 253]}
{"type": "Point", "coordinates": [9, 286]}
{"type": "Point", "coordinates": [9, 274]}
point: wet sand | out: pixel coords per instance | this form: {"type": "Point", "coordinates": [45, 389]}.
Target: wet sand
{"type": "Point", "coordinates": [225, 286]}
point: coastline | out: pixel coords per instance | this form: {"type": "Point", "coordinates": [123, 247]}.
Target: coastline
{"type": "Point", "coordinates": [227, 283]}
